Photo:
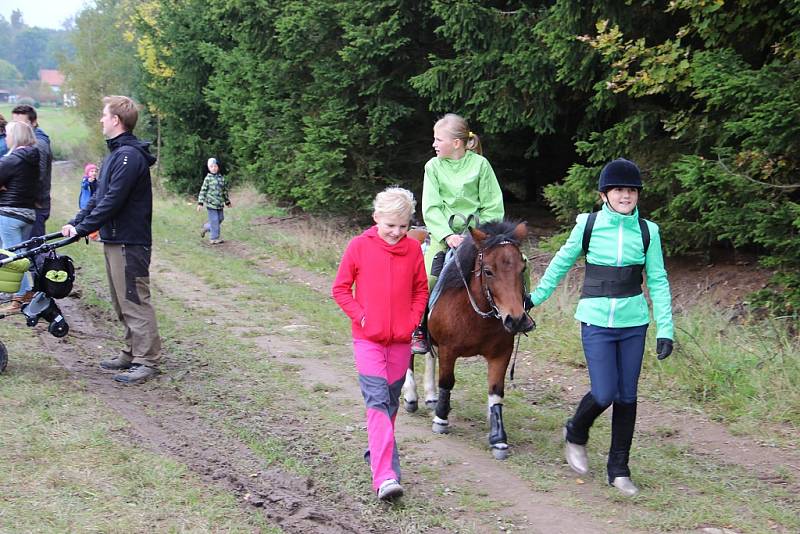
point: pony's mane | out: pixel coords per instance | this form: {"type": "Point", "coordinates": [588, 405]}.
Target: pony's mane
{"type": "Point", "coordinates": [496, 233]}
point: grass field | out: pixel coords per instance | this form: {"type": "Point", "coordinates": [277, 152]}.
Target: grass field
{"type": "Point", "coordinates": [70, 138]}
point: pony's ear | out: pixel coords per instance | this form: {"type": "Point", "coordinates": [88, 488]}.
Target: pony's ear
{"type": "Point", "coordinates": [521, 231]}
{"type": "Point", "coordinates": [477, 236]}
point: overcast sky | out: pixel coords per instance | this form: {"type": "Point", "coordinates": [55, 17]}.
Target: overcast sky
{"type": "Point", "coordinates": [43, 13]}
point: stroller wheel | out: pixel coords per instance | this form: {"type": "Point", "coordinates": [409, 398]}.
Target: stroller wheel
{"type": "Point", "coordinates": [58, 328]}
{"type": "Point", "coordinates": [3, 357]}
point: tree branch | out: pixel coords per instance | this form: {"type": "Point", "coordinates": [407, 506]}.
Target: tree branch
{"type": "Point", "coordinates": [789, 187]}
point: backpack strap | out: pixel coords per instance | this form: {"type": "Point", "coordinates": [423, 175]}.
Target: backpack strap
{"type": "Point", "coordinates": [587, 231]}
{"type": "Point", "coordinates": [645, 234]}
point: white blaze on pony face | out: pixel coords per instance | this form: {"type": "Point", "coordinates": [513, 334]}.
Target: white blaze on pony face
{"type": "Point", "coordinates": [623, 200]}
{"type": "Point", "coordinates": [392, 227]}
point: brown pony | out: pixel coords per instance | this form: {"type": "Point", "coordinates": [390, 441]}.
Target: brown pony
{"type": "Point", "coordinates": [479, 311]}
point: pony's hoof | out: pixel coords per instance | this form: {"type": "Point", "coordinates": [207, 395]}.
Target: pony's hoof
{"type": "Point", "coordinates": [430, 404]}
{"type": "Point", "coordinates": [440, 427]}
{"type": "Point", "coordinates": [411, 406]}
{"type": "Point", "coordinates": [500, 451]}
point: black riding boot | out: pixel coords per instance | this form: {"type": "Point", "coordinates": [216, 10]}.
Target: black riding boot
{"type": "Point", "coordinates": [579, 424]}
{"type": "Point", "coordinates": [623, 419]}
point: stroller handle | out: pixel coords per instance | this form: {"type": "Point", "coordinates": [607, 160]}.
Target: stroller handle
{"type": "Point", "coordinates": [35, 241]}
{"type": "Point", "coordinates": [39, 245]}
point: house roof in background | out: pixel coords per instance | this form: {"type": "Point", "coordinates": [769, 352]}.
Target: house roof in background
{"type": "Point", "coordinates": [51, 76]}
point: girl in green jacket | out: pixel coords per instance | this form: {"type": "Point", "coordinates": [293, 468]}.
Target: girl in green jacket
{"type": "Point", "coordinates": [458, 181]}
{"type": "Point", "coordinates": [613, 312]}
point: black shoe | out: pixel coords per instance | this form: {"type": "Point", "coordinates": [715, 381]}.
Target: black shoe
{"type": "Point", "coordinates": [137, 374]}
{"type": "Point", "coordinates": [115, 364]}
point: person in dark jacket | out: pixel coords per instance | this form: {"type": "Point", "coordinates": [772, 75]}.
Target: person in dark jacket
{"type": "Point", "coordinates": [19, 173]}
{"type": "Point", "coordinates": [122, 209]}
{"type": "Point", "coordinates": [27, 114]}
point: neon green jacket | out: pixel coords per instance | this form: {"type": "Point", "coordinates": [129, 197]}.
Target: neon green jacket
{"type": "Point", "coordinates": [616, 241]}
{"type": "Point", "coordinates": [464, 186]}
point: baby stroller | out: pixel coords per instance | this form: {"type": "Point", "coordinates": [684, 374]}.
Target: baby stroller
{"type": "Point", "coordinates": [53, 277]}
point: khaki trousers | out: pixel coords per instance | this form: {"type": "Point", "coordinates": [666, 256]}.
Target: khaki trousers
{"type": "Point", "coordinates": [128, 269]}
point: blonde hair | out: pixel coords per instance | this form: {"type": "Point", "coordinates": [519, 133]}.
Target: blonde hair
{"type": "Point", "coordinates": [19, 134]}
{"type": "Point", "coordinates": [124, 108]}
{"type": "Point", "coordinates": [457, 127]}
{"type": "Point", "coordinates": [395, 201]}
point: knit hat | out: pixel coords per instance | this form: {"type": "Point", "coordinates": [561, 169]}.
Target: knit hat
{"type": "Point", "coordinates": [89, 167]}
{"type": "Point", "coordinates": [619, 173]}
{"type": "Point", "coordinates": [212, 161]}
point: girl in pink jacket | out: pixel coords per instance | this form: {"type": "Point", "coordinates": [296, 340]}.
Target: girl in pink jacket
{"type": "Point", "coordinates": [391, 291]}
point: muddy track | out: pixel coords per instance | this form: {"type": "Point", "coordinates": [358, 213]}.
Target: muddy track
{"type": "Point", "coordinates": [178, 431]}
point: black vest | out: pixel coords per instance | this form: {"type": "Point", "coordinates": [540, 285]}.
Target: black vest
{"type": "Point", "coordinates": [610, 281]}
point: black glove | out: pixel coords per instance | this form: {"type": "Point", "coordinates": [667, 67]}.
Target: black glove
{"type": "Point", "coordinates": [527, 302]}
{"type": "Point", "coordinates": [663, 347]}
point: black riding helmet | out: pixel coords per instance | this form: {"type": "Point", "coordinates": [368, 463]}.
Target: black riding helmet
{"type": "Point", "coordinates": [619, 173]}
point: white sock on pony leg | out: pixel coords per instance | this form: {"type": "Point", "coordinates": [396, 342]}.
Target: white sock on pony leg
{"type": "Point", "coordinates": [430, 379]}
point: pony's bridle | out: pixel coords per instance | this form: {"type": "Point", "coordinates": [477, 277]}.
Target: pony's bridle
{"type": "Point", "coordinates": [480, 272]}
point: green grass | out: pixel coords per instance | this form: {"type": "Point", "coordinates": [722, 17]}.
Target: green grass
{"type": "Point", "coordinates": [70, 138]}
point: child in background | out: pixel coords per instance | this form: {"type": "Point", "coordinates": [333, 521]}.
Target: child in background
{"type": "Point", "coordinates": [391, 291]}
{"type": "Point", "coordinates": [614, 315]}
{"type": "Point", "coordinates": [214, 194]}
{"type": "Point", "coordinates": [88, 189]}
{"type": "Point", "coordinates": [88, 185]}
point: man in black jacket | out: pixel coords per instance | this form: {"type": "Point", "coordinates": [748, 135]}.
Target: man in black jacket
{"type": "Point", "coordinates": [122, 210]}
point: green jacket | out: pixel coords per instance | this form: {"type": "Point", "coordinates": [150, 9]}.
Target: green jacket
{"type": "Point", "coordinates": [214, 193]}
{"type": "Point", "coordinates": [616, 241]}
{"type": "Point", "coordinates": [464, 186]}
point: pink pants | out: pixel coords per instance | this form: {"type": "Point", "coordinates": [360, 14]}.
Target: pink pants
{"type": "Point", "coordinates": [381, 373]}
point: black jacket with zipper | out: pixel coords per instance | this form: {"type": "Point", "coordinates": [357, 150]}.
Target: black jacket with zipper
{"type": "Point", "coordinates": [19, 175]}
{"type": "Point", "coordinates": [122, 208]}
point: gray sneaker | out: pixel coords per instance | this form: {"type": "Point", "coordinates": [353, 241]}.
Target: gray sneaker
{"type": "Point", "coordinates": [390, 489]}
{"type": "Point", "coordinates": [137, 374]}
{"type": "Point", "coordinates": [115, 364]}
{"type": "Point", "coordinates": [625, 485]}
